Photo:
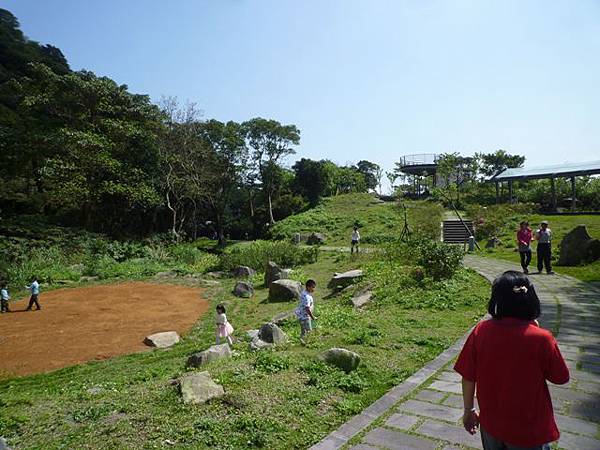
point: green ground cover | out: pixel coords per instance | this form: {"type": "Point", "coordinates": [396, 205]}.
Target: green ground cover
{"type": "Point", "coordinates": [560, 225]}
{"type": "Point", "coordinates": [280, 399]}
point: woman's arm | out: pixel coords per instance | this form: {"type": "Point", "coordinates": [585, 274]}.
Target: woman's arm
{"type": "Point", "coordinates": [470, 416]}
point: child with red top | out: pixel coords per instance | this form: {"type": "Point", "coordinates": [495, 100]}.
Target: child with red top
{"type": "Point", "coordinates": [524, 237]}
{"type": "Point", "coordinates": [508, 359]}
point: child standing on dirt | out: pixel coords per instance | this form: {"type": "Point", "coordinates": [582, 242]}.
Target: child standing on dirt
{"type": "Point", "coordinates": [34, 287]}
{"type": "Point", "coordinates": [304, 312]}
{"type": "Point", "coordinates": [4, 298]}
{"type": "Point", "coordinates": [224, 328]}
{"type": "Point", "coordinates": [509, 358]}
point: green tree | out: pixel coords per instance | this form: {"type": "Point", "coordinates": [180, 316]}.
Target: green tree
{"type": "Point", "coordinates": [313, 179]}
{"type": "Point", "coordinates": [270, 142]}
{"type": "Point", "coordinates": [492, 163]}
{"type": "Point", "coordinates": [370, 172]}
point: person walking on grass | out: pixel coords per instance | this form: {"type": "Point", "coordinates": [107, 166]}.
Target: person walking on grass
{"type": "Point", "coordinates": [524, 236]}
{"type": "Point", "coordinates": [305, 309]}
{"type": "Point", "coordinates": [4, 298]}
{"type": "Point", "coordinates": [544, 248]}
{"type": "Point", "coordinates": [224, 328]}
{"type": "Point", "coordinates": [34, 287]}
{"type": "Point", "coordinates": [355, 240]}
{"type": "Point", "coordinates": [508, 359]}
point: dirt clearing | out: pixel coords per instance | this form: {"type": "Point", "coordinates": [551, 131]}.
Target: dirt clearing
{"type": "Point", "coordinates": [82, 324]}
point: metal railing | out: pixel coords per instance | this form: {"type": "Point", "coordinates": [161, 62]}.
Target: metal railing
{"type": "Point", "coordinates": [423, 159]}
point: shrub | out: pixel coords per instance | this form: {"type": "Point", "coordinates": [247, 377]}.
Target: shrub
{"type": "Point", "coordinates": [270, 362]}
{"type": "Point", "coordinates": [438, 260]}
{"type": "Point", "coordinates": [490, 220]}
{"type": "Point", "coordinates": [257, 253]}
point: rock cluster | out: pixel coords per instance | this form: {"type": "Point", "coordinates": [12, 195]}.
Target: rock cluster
{"type": "Point", "coordinates": [273, 273]}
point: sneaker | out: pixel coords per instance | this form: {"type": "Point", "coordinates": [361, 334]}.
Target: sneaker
{"type": "Point", "coordinates": [525, 271]}
{"type": "Point", "coordinates": [552, 272]}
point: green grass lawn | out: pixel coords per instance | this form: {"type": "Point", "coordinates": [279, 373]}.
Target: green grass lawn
{"type": "Point", "coordinates": [280, 399]}
{"type": "Point", "coordinates": [560, 225]}
{"type": "Point", "coordinates": [378, 222]}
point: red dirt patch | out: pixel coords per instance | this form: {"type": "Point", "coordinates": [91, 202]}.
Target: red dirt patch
{"type": "Point", "coordinates": [97, 322]}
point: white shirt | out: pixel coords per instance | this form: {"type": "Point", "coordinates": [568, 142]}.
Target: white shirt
{"type": "Point", "coordinates": [355, 235]}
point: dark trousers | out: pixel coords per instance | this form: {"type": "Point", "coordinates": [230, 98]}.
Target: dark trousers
{"type": "Point", "coordinates": [4, 306]}
{"type": "Point", "coordinates": [525, 258]}
{"type": "Point", "coordinates": [491, 443]}
{"type": "Point", "coordinates": [33, 299]}
{"type": "Point", "coordinates": [544, 257]}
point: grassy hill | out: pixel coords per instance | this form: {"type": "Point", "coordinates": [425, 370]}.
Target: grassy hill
{"type": "Point", "coordinates": [285, 398]}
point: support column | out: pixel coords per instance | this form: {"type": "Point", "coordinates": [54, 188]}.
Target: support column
{"type": "Point", "coordinates": [573, 195]}
{"type": "Point", "coordinates": [553, 190]}
{"type": "Point", "coordinates": [510, 191]}
{"type": "Point", "coordinates": [497, 192]}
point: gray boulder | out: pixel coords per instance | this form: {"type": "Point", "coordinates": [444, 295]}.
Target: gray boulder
{"type": "Point", "coordinates": [252, 334]}
{"type": "Point", "coordinates": [578, 247]}
{"type": "Point", "coordinates": [3, 444]}
{"type": "Point", "coordinates": [87, 279]}
{"type": "Point", "coordinates": [272, 334]}
{"type": "Point", "coordinates": [315, 239]}
{"type": "Point", "coordinates": [211, 354]}
{"type": "Point", "coordinates": [493, 242]}
{"type": "Point", "coordinates": [167, 274]}
{"type": "Point", "coordinates": [282, 317]}
{"type": "Point", "coordinates": [243, 289]}
{"type": "Point", "coordinates": [243, 272]}
{"type": "Point", "coordinates": [257, 344]}
{"type": "Point", "coordinates": [342, 358]}
{"type": "Point", "coordinates": [362, 298]}
{"type": "Point", "coordinates": [162, 340]}
{"type": "Point", "coordinates": [197, 388]}
{"type": "Point", "coordinates": [273, 273]}
{"type": "Point", "coordinates": [342, 280]}
{"type": "Point", "coordinates": [284, 290]}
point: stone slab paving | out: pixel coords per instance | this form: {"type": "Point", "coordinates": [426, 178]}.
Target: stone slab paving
{"type": "Point", "coordinates": [424, 412]}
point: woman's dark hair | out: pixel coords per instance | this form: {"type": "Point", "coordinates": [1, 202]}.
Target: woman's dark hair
{"type": "Point", "coordinates": [311, 282]}
{"type": "Point", "coordinates": [221, 307]}
{"type": "Point", "coordinates": [524, 223]}
{"type": "Point", "coordinates": [513, 295]}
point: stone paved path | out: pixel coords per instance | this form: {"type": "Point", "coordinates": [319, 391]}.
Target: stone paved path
{"type": "Point", "coordinates": [424, 412]}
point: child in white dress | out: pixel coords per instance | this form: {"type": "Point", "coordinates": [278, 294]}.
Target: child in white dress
{"type": "Point", "coordinates": [224, 328]}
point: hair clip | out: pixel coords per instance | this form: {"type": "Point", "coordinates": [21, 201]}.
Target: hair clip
{"type": "Point", "coordinates": [520, 289]}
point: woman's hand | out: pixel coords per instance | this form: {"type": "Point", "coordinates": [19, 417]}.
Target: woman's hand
{"type": "Point", "coordinates": [471, 421]}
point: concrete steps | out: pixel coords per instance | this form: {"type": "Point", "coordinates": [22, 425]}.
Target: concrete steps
{"type": "Point", "coordinates": [454, 232]}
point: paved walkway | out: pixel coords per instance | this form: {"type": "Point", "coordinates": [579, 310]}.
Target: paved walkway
{"type": "Point", "coordinates": [424, 412]}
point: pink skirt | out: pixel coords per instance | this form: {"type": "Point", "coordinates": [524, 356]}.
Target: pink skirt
{"type": "Point", "coordinates": [224, 330]}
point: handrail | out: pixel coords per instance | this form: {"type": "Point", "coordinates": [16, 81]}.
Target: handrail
{"type": "Point", "coordinates": [419, 159]}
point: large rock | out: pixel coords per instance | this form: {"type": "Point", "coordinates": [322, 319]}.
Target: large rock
{"type": "Point", "coordinates": [341, 280]}
{"type": "Point", "coordinates": [257, 344]}
{"type": "Point", "coordinates": [252, 334]}
{"type": "Point", "coordinates": [315, 239]}
{"type": "Point", "coordinates": [243, 272]}
{"type": "Point", "coordinates": [362, 298]}
{"type": "Point", "coordinates": [493, 242]}
{"type": "Point", "coordinates": [272, 334]}
{"type": "Point", "coordinates": [199, 387]}
{"type": "Point", "coordinates": [162, 340]}
{"type": "Point", "coordinates": [284, 316]}
{"type": "Point", "coordinates": [243, 289]}
{"type": "Point", "coordinates": [342, 358]}
{"type": "Point", "coordinates": [578, 247]}
{"type": "Point", "coordinates": [273, 273]}
{"type": "Point", "coordinates": [211, 354]}
{"type": "Point", "coordinates": [283, 290]}
{"type": "Point", "coordinates": [3, 444]}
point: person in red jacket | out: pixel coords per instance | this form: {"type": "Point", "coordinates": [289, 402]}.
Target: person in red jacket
{"type": "Point", "coordinates": [508, 359]}
{"type": "Point", "coordinates": [524, 237]}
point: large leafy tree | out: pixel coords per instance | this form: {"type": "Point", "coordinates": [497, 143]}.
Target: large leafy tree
{"type": "Point", "coordinates": [492, 163]}
{"type": "Point", "coordinates": [371, 173]}
{"type": "Point", "coordinates": [314, 179]}
{"type": "Point", "coordinates": [270, 142]}
{"type": "Point", "coordinates": [87, 144]}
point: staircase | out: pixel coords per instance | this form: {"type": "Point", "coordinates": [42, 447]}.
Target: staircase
{"type": "Point", "coordinates": [454, 232]}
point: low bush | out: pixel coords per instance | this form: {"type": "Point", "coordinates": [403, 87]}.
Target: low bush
{"type": "Point", "coordinates": [438, 260]}
{"type": "Point", "coordinates": [256, 254]}
{"type": "Point", "coordinates": [490, 220]}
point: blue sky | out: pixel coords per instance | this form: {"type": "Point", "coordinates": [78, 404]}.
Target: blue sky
{"type": "Point", "coordinates": [361, 79]}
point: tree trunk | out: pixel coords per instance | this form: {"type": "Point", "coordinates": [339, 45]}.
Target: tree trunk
{"type": "Point", "coordinates": [272, 220]}
{"type": "Point", "coordinates": [173, 215]}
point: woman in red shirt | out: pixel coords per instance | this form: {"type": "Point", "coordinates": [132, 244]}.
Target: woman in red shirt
{"type": "Point", "coordinates": [508, 359]}
{"type": "Point", "coordinates": [524, 236]}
